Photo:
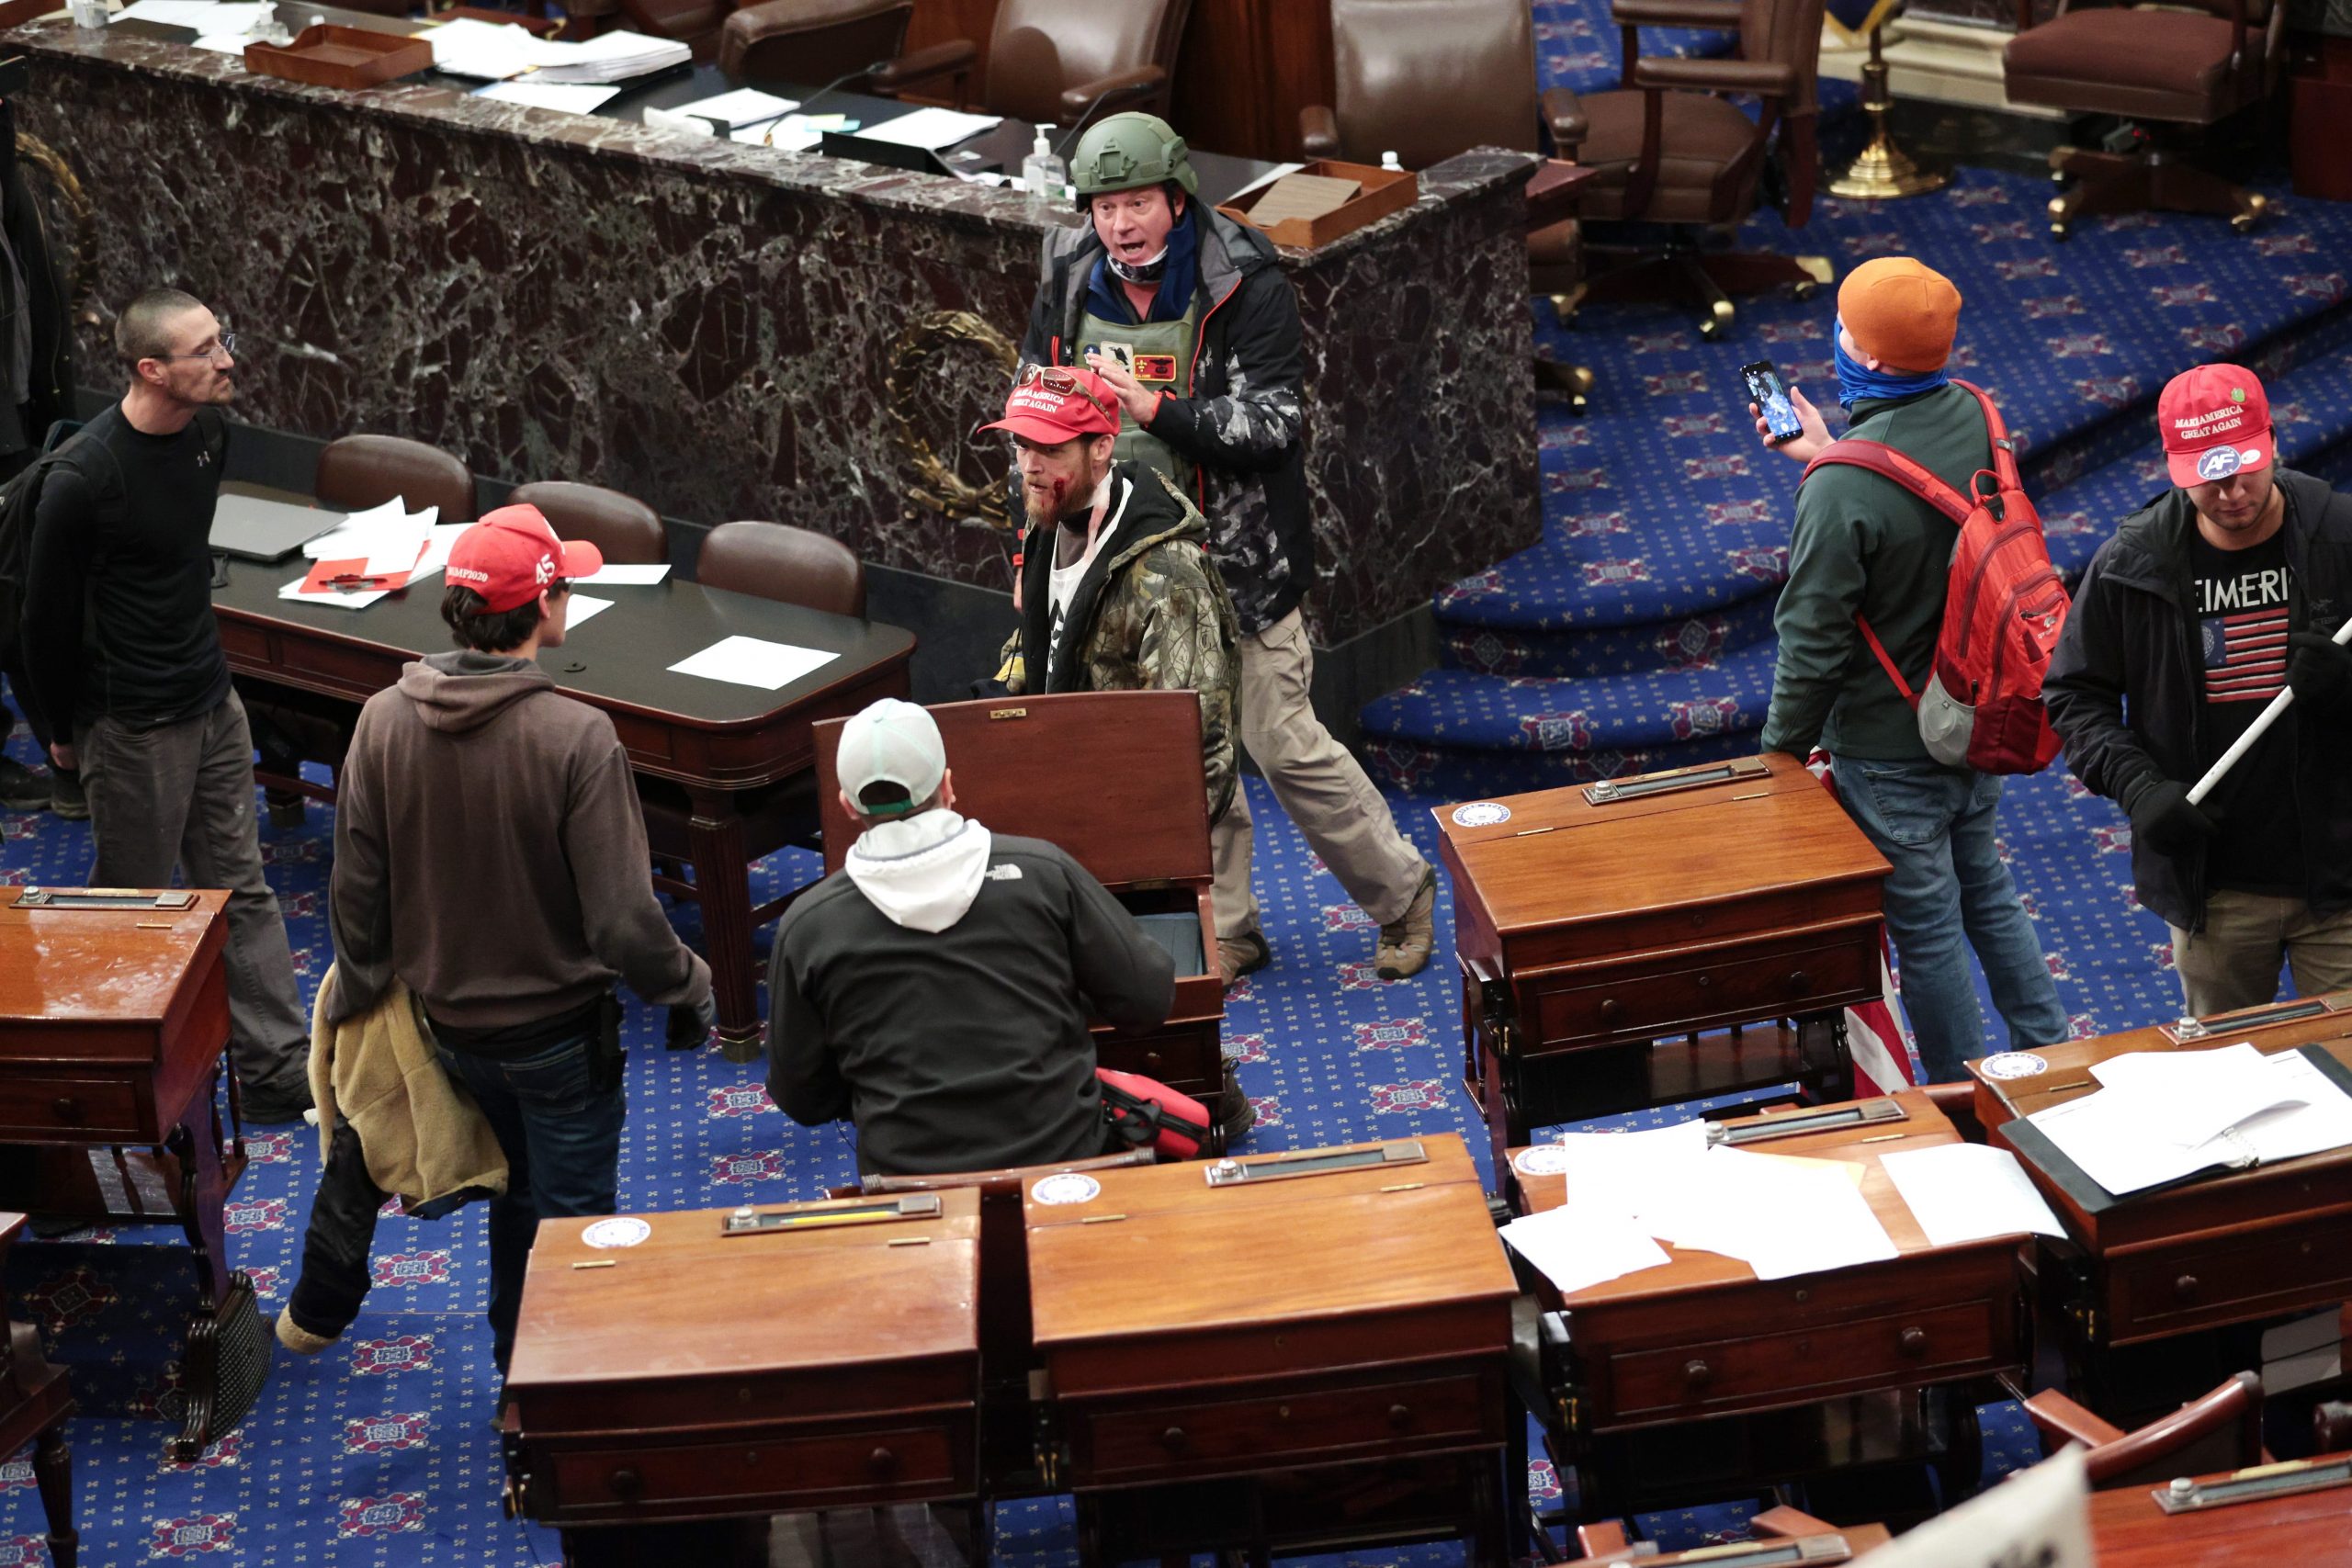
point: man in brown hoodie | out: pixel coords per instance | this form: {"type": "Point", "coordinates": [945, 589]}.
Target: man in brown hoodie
{"type": "Point", "coordinates": [488, 851]}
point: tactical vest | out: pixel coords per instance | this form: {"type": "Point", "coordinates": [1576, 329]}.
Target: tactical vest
{"type": "Point", "coordinates": [1159, 356]}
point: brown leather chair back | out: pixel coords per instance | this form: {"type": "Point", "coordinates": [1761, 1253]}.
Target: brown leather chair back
{"type": "Point", "coordinates": [2221, 1431]}
{"type": "Point", "coordinates": [809, 42]}
{"type": "Point", "coordinates": [628, 531]}
{"type": "Point", "coordinates": [1427, 79]}
{"type": "Point", "coordinates": [359, 471]}
{"type": "Point", "coordinates": [1786, 32]}
{"type": "Point", "coordinates": [694, 23]}
{"type": "Point", "coordinates": [1039, 47]}
{"type": "Point", "coordinates": [776, 560]}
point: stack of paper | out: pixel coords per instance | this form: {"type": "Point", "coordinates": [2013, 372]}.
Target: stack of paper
{"type": "Point", "coordinates": [487, 51]}
{"type": "Point", "coordinates": [2164, 1117]}
{"type": "Point", "coordinates": [565, 97]}
{"type": "Point", "coordinates": [609, 57]}
{"type": "Point", "coordinates": [390, 537]}
{"type": "Point", "coordinates": [731, 112]}
{"type": "Point", "coordinates": [932, 129]}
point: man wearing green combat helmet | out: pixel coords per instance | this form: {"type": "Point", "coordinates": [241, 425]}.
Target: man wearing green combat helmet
{"type": "Point", "coordinates": [1187, 317]}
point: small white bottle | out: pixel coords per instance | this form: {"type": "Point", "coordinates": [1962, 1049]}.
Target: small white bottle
{"type": "Point", "coordinates": [1042, 175]}
{"type": "Point", "coordinates": [88, 13]}
{"type": "Point", "coordinates": [1388, 161]}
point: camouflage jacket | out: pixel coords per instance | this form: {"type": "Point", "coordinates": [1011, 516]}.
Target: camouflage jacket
{"type": "Point", "coordinates": [1149, 615]}
{"type": "Point", "coordinates": [1240, 418]}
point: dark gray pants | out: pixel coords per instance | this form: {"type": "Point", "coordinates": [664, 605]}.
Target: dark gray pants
{"type": "Point", "coordinates": [183, 795]}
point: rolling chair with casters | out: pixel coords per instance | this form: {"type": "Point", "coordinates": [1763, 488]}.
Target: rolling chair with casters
{"type": "Point", "coordinates": [807, 41]}
{"type": "Point", "coordinates": [1671, 148]}
{"type": "Point", "coordinates": [1051, 62]}
{"type": "Point", "coordinates": [624, 529]}
{"type": "Point", "coordinates": [2182, 69]}
{"type": "Point", "coordinates": [1429, 79]}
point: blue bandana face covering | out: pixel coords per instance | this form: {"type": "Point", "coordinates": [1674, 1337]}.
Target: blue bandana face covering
{"type": "Point", "coordinates": [1857, 381]}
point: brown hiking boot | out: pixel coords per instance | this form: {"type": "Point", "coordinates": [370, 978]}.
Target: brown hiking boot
{"type": "Point", "coordinates": [1243, 955]}
{"type": "Point", "coordinates": [1407, 940]}
{"type": "Point", "coordinates": [1233, 1111]}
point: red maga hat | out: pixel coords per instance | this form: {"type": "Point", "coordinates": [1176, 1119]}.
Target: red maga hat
{"type": "Point", "coordinates": [512, 556]}
{"type": "Point", "coordinates": [1054, 403]}
{"type": "Point", "coordinates": [2216, 423]}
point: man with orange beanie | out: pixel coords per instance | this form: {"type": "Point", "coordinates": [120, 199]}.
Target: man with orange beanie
{"type": "Point", "coordinates": [1865, 545]}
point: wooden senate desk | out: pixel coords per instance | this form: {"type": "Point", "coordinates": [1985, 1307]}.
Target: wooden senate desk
{"type": "Point", "coordinates": [729, 1364]}
{"type": "Point", "coordinates": [2228, 1248]}
{"type": "Point", "coordinates": [1113, 778]}
{"type": "Point", "coordinates": [719, 743]}
{"type": "Point", "coordinates": [1593, 921]}
{"type": "Point", "coordinates": [114, 1014]}
{"type": "Point", "coordinates": [729, 330]}
{"type": "Point", "coordinates": [2297, 1513]}
{"type": "Point", "coordinates": [1665, 1382]}
{"type": "Point", "coordinates": [1280, 1352]}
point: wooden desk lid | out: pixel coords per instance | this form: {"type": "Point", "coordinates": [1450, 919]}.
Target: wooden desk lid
{"type": "Point", "coordinates": [1554, 857]}
{"type": "Point", "coordinates": [1113, 777]}
{"type": "Point", "coordinates": [1160, 1250]}
{"type": "Point", "coordinates": [686, 1300]}
{"type": "Point", "coordinates": [2022, 1082]}
{"type": "Point", "coordinates": [1924, 1127]}
{"type": "Point", "coordinates": [68, 965]}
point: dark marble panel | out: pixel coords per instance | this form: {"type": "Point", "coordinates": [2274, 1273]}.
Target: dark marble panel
{"type": "Point", "coordinates": [724, 331]}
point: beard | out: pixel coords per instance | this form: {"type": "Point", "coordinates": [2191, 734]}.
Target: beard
{"type": "Point", "coordinates": [1047, 508]}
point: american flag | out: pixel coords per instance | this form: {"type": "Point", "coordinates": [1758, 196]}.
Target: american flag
{"type": "Point", "coordinates": [2245, 655]}
{"type": "Point", "coordinates": [1876, 1037]}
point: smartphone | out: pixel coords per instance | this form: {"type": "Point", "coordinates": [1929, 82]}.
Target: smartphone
{"type": "Point", "coordinates": [1772, 399]}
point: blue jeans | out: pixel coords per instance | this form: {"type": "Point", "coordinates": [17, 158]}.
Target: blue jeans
{"type": "Point", "coordinates": [562, 1136]}
{"type": "Point", "coordinates": [1935, 827]}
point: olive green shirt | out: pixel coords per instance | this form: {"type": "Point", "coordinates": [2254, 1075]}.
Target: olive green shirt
{"type": "Point", "coordinates": [1863, 543]}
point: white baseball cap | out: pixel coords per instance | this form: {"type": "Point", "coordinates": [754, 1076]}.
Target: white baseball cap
{"type": "Point", "coordinates": [891, 742]}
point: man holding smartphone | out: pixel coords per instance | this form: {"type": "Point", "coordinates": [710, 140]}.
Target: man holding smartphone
{"type": "Point", "coordinates": [1865, 545]}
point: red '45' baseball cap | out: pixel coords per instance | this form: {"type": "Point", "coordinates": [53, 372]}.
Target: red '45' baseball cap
{"type": "Point", "coordinates": [2216, 423]}
{"type": "Point", "coordinates": [511, 555]}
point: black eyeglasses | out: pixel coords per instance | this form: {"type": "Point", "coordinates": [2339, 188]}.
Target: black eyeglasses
{"type": "Point", "coordinates": [225, 349]}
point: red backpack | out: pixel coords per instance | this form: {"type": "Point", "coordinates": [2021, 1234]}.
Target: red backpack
{"type": "Point", "coordinates": [2003, 607]}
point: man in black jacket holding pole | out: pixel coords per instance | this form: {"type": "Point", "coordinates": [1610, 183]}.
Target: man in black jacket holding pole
{"type": "Point", "coordinates": [2205, 605]}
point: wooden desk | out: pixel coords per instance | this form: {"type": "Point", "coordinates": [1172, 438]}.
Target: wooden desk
{"type": "Point", "coordinates": [2311, 1529]}
{"type": "Point", "coordinates": [112, 1026]}
{"type": "Point", "coordinates": [1593, 920]}
{"type": "Point", "coordinates": [699, 1374]}
{"type": "Point", "coordinates": [35, 1402]}
{"type": "Point", "coordinates": [2224, 1249]}
{"type": "Point", "coordinates": [1276, 1364]}
{"type": "Point", "coordinates": [716, 741]}
{"type": "Point", "coordinates": [1702, 1337]}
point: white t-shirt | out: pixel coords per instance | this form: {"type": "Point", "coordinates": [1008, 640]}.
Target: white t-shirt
{"type": "Point", "coordinates": [1062, 580]}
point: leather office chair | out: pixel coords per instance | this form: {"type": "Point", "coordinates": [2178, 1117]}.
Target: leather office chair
{"type": "Point", "coordinates": [694, 23]}
{"type": "Point", "coordinates": [776, 560]}
{"type": "Point", "coordinates": [806, 43]}
{"type": "Point", "coordinates": [1671, 149]}
{"type": "Point", "coordinates": [2221, 1431]}
{"type": "Point", "coordinates": [2180, 70]}
{"type": "Point", "coordinates": [1052, 60]}
{"type": "Point", "coordinates": [628, 531]}
{"type": "Point", "coordinates": [1428, 79]}
{"type": "Point", "coordinates": [359, 471]}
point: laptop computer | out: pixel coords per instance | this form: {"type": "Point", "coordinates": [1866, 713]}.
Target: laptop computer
{"type": "Point", "coordinates": [251, 527]}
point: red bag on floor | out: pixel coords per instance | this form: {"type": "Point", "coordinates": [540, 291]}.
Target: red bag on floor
{"type": "Point", "coordinates": [1145, 1111]}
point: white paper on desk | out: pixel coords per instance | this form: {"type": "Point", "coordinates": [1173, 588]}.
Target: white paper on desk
{"type": "Point", "coordinates": [2187, 1097]}
{"type": "Point", "coordinates": [1968, 1191]}
{"type": "Point", "coordinates": [197, 14]}
{"type": "Point", "coordinates": [581, 611]}
{"type": "Point", "coordinates": [782, 138]}
{"type": "Point", "coordinates": [932, 129]}
{"type": "Point", "coordinates": [754, 661]}
{"type": "Point", "coordinates": [1796, 1219]}
{"type": "Point", "coordinates": [684, 124]}
{"type": "Point", "coordinates": [1575, 1245]}
{"type": "Point", "coordinates": [1620, 1171]}
{"type": "Point", "coordinates": [563, 96]}
{"type": "Point", "coordinates": [744, 105]}
{"type": "Point", "coordinates": [486, 51]}
{"type": "Point", "coordinates": [237, 16]}
{"type": "Point", "coordinates": [617, 574]}
{"type": "Point", "coordinates": [2118, 1135]}
{"type": "Point", "coordinates": [225, 43]}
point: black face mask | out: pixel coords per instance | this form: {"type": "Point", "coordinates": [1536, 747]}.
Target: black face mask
{"type": "Point", "coordinates": [1142, 272]}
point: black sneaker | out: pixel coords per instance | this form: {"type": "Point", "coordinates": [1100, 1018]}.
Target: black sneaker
{"type": "Point", "coordinates": [265, 1108]}
{"type": "Point", "coordinates": [21, 789]}
{"type": "Point", "coordinates": [66, 800]}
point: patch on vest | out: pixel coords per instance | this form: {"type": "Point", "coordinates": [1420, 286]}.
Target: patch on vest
{"type": "Point", "coordinates": [1121, 353]}
{"type": "Point", "coordinates": [1004, 873]}
{"type": "Point", "coordinates": [1155, 367]}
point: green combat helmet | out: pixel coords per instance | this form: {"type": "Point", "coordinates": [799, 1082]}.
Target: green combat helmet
{"type": "Point", "coordinates": [1127, 152]}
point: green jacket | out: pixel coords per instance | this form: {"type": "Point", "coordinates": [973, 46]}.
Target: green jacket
{"type": "Point", "coordinates": [1151, 615]}
{"type": "Point", "coordinates": [1862, 543]}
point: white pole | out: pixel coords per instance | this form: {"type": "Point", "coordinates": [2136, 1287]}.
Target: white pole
{"type": "Point", "coordinates": [2253, 732]}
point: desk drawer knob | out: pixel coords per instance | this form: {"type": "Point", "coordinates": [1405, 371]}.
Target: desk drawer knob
{"type": "Point", "coordinates": [67, 1108]}
{"type": "Point", "coordinates": [1400, 1416]}
{"type": "Point", "coordinates": [1913, 1341]}
{"type": "Point", "coordinates": [627, 1485]}
{"type": "Point", "coordinates": [2185, 1287]}
{"type": "Point", "coordinates": [1798, 982]}
{"type": "Point", "coordinates": [1175, 1440]}
{"type": "Point", "coordinates": [1697, 1373]}
{"type": "Point", "coordinates": [1612, 1010]}
{"type": "Point", "coordinates": [1704, 981]}
{"type": "Point", "coordinates": [882, 1462]}
{"type": "Point", "coordinates": [1151, 1060]}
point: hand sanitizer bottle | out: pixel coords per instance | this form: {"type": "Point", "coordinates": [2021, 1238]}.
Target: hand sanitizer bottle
{"type": "Point", "coordinates": [1042, 175]}
{"type": "Point", "coordinates": [88, 13]}
{"type": "Point", "coordinates": [1388, 161]}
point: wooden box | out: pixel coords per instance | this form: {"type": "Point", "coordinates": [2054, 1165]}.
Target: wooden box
{"type": "Point", "coordinates": [330, 56]}
{"type": "Point", "coordinates": [666, 1367]}
{"type": "Point", "coordinates": [1383, 191]}
{"type": "Point", "coordinates": [2223, 1248]}
{"type": "Point", "coordinates": [1114, 779]}
{"type": "Point", "coordinates": [1633, 911]}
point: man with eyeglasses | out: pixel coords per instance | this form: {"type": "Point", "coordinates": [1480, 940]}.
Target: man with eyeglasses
{"type": "Point", "coordinates": [121, 654]}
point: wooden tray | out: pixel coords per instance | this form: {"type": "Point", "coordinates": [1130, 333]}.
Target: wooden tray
{"type": "Point", "coordinates": [1383, 191]}
{"type": "Point", "coordinates": [330, 56]}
